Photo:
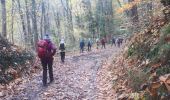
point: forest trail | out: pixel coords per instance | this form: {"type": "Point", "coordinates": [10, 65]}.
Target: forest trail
{"type": "Point", "coordinates": [82, 77]}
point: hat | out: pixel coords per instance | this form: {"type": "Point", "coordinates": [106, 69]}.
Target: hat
{"type": "Point", "coordinates": [62, 41]}
{"type": "Point", "coordinates": [47, 37]}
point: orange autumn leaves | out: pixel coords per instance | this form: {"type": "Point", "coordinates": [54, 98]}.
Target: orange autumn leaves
{"type": "Point", "coordinates": [128, 6]}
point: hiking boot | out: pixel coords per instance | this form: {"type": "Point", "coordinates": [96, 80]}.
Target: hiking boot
{"type": "Point", "coordinates": [44, 84]}
{"type": "Point", "coordinates": [62, 61]}
{"type": "Point", "coordinates": [51, 81]}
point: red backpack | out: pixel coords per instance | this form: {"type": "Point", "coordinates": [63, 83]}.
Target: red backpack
{"type": "Point", "coordinates": [42, 48]}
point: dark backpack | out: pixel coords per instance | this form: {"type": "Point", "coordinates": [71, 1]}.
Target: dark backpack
{"type": "Point", "coordinates": [62, 46]}
{"type": "Point", "coordinates": [89, 43]}
{"type": "Point", "coordinates": [42, 48]}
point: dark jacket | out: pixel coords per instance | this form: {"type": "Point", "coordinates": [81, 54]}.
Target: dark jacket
{"type": "Point", "coordinates": [62, 47]}
{"type": "Point", "coordinates": [82, 44]}
{"type": "Point", "coordinates": [103, 41]}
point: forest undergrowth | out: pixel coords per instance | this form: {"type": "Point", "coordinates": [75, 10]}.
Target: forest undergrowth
{"type": "Point", "coordinates": [142, 71]}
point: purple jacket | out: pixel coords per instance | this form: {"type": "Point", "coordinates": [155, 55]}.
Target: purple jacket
{"type": "Point", "coordinates": [51, 49]}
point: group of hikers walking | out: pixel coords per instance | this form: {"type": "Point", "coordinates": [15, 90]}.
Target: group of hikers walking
{"type": "Point", "coordinates": [117, 41]}
{"type": "Point", "coordinates": [82, 45]}
{"type": "Point", "coordinates": [90, 43]}
{"type": "Point", "coordinates": [46, 49]}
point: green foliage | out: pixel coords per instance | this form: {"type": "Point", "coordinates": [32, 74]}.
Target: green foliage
{"type": "Point", "coordinates": [84, 35]}
{"type": "Point", "coordinates": [137, 78]}
{"type": "Point", "coordinates": [165, 2]}
{"type": "Point", "coordinates": [163, 92]}
{"type": "Point", "coordinates": [153, 52]}
{"type": "Point", "coordinates": [139, 49]}
{"type": "Point", "coordinates": [159, 51]}
{"type": "Point", "coordinates": [166, 30]}
{"type": "Point", "coordinates": [103, 34]}
{"type": "Point", "coordinates": [5, 78]}
{"type": "Point", "coordinates": [12, 59]}
{"type": "Point", "coordinates": [162, 49]}
{"type": "Point", "coordinates": [131, 51]}
{"type": "Point", "coordinates": [55, 37]}
{"type": "Point", "coordinates": [163, 70]}
{"type": "Point", "coordinates": [147, 96]}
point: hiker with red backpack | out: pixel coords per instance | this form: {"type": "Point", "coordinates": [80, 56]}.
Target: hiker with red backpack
{"type": "Point", "coordinates": [46, 51]}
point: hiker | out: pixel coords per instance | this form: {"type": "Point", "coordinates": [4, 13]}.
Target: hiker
{"type": "Point", "coordinates": [121, 41]}
{"type": "Point", "coordinates": [103, 43]}
{"type": "Point", "coordinates": [113, 41]}
{"type": "Point", "coordinates": [82, 44]}
{"type": "Point", "coordinates": [89, 44]}
{"type": "Point", "coordinates": [46, 51]}
{"type": "Point", "coordinates": [62, 50]}
{"type": "Point", "coordinates": [97, 43]}
{"type": "Point", "coordinates": [117, 42]}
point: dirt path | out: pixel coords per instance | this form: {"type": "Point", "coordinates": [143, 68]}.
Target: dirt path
{"type": "Point", "coordinates": [83, 77]}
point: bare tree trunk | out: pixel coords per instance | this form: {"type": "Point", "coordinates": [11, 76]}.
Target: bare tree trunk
{"type": "Point", "coordinates": [70, 19]}
{"type": "Point", "coordinates": [119, 3]}
{"type": "Point", "coordinates": [42, 19]}
{"type": "Point", "coordinates": [69, 26]}
{"type": "Point", "coordinates": [44, 24]}
{"type": "Point", "coordinates": [12, 23]}
{"type": "Point", "coordinates": [41, 26]}
{"type": "Point", "coordinates": [109, 27]}
{"type": "Point", "coordinates": [91, 19]}
{"type": "Point", "coordinates": [34, 20]}
{"type": "Point", "coordinates": [100, 17]}
{"type": "Point", "coordinates": [23, 22]}
{"type": "Point", "coordinates": [48, 25]}
{"type": "Point", "coordinates": [133, 14]}
{"type": "Point", "coordinates": [4, 28]}
{"type": "Point", "coordinates": [30, 36]}
{"type": "Point", "coordinates": [57, 22]}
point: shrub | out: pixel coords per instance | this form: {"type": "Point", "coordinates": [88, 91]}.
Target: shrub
{"type": "Point", "coordinates": [163, 70]}
{"type": "Point", "coordinates": [165, 2]}
{"type": "Point", "coordinates": [153, 52]}
{"type": "Point", "coordinates": [12, 59]}
{"type": "Point", "coordinates": [137, 78]}
{"type": "Point", "coordinates": [130, 51]}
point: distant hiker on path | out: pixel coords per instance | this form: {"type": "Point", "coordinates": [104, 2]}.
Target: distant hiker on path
{"type": "Point", "coordinates": [113, 41]}
{"type": "Point", "coordinates": [82, 44]}
{"type": "Point", "coordinates": [62, 50]}
{"type": "Point", "coordinates": [103, 43]}
{"type": "Point", "coordinates": [119, 42]}
{"type": "Point", "coordinates": [97, 43]}
{"type": "Point", "coordinates": [89, 44]}
{"type": "Point", "coordinates": [46, 51]}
